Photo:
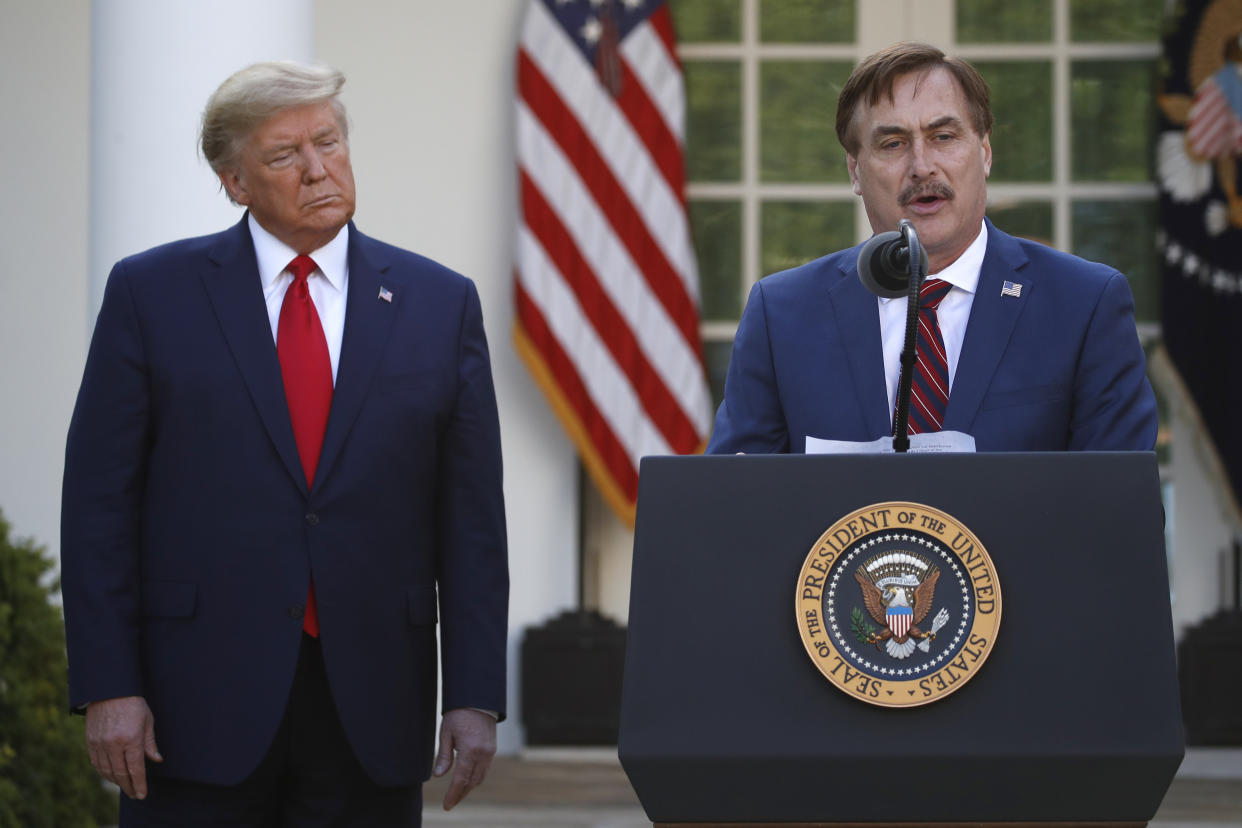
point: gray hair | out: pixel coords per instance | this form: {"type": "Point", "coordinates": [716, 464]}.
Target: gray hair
{"type": "Point", "coordinates": [252, 95]}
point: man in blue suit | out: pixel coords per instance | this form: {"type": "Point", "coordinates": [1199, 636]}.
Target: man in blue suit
{"type": "Point", "coordinates": [283, 474]}
{"type": "Point", "coordinates": [1041, 347]}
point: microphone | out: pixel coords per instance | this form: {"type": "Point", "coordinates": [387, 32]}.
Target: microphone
{"type": "Point", "coordinates": [884, 264]}
{"type": "Point", "coordinates": [885, 269]}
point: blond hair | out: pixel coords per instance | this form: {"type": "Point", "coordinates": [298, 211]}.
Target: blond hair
{"type": "Point", "coordinates": [252, 95]}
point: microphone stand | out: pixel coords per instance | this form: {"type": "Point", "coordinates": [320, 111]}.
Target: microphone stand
{"type": "Point", "coordinates": [909, 352]}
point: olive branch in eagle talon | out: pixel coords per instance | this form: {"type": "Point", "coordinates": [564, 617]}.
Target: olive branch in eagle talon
{"type": "Point", "coordinates": [863, 632]}
{"type": "Point", "coordinates": [919, 599]}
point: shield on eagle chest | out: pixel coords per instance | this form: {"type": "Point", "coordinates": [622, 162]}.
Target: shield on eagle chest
{"type": "Point", "coordinates": [899, 619]}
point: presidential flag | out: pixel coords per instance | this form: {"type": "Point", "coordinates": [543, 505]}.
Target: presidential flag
{"type": "Point", "coordinates": [606, 287]}
{"type": "Point", "coordinates": [1199, 172]}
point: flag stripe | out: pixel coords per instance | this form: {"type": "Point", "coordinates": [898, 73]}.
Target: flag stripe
{"type": "Point", "coordinates": [661, 21]}
{"type": "Point", "coordinates": [626, 221]}
{"type": "Point", "coordinates": [1214, 129]}
{"type": "Point", "coordinates": [653, 65]}
{"type": "Point", "coordinates": [613, 395]}
{"type": "Point", "coordinates": [576, 210]}
{"type": "Point", "coordinates": [659, 140]}
{"type": "Point", "coordinates": [606, 283]}
{"type": "Point", "coordinates": [602, 314]}
{"type": "Point", "coordinates": [600, 123]}
{"type": "Point", "coordinates": [569, 386]}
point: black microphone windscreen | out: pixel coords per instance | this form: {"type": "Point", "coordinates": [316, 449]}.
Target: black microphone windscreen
{"type": "Point", "coordinates": [878, 269]}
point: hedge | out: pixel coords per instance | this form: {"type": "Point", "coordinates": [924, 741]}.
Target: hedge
{"type": "Point", "coordinates": [45, 776]}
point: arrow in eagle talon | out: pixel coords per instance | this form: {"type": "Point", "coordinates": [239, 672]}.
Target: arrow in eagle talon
{"type": "Point", "coordinates": [939, 621]}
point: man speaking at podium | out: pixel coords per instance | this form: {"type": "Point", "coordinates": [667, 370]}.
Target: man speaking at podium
{"type": "Point", "coordinates": [1022, 347]}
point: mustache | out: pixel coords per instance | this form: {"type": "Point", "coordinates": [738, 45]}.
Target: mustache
{"type": "Point", "coordinates": [930, 188]}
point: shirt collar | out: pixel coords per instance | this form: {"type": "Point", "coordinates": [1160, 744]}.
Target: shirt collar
{"type": "Point", "coordinates": [963, 273]}
{"type": "Point", "coordinates": [273, 256]}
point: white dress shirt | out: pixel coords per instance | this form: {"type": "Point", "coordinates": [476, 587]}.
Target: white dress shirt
{"type": "Point", "coordinates": [952, 314]}
{"type": "Point", "coordinates": [328, 284]}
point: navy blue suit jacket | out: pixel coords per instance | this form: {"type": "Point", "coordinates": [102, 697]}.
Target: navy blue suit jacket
{"type": "Point", "coordinates": [189, 532]}
{"type": "Point", "coordinates": [1058, 368]}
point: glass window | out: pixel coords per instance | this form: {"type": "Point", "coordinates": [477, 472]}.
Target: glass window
{"type": "Point", "coordinates": [1112, 118]}
{"type": "Point", "coordinates": [717, 229]}
{"type": "Point", "coordinates": [707, 21]}
{"type": "Point", "coordinates": [797, 116]}
{"type": "Point", "coordinates": [1004, 21]}
{"type": "Point", "coordinates": [716, 354]}
{"type": "Point", "coordinates": [1028, 219]}
{"type": "Point", "coordinates": [1120, 234]}
{"type": "Point", "coordinates": [806, 21]}
{"type": "Point", "coordinates": [713, 120]}
{"type": "Point", "coordinates": [1115, 20]}
{"type": "Point", "coordinates": [795, 232]}
{"type": "Point", "coordinates": [1022, 107]}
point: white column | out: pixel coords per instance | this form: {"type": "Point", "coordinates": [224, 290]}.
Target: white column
{"type": "Point", "coordinates": [153, 65]}
{"type": "Point", "coordinates": [44, 49]}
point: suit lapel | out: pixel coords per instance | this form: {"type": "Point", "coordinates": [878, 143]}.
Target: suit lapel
{"type": "Point", "coordinates": [992, 320]}
{"type": "Point", "coordinates": [857, 317]}
{"type": "Point", "coordinates": [368, 325]}
{"type": "Point", "coordinates": [231, 279]}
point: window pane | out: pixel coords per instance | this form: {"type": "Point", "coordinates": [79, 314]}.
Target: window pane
{"type": "Point", "coordinates": [717, 229]}
{"type": "Point", "coordinates": [716, 355]}
{"type": "Point", "coordinates": [707, 21]}
{"type": "Point", "coordinates": [1120, 233]}
{"type": "Point", "coordinates": [1112, 119]}
{"type": "Point", "coordinates": [1115, 20]}
{"type": "Point", "coordinates": [1028, 219]}
{"type": "Point", "coordinates": [714, 120]}
{"type": "Point", "coordinates": [806, 21]}
{"type": "Point", "coordinates": [1004, 21]}
{"type": "Point", "coordinates": [795, 232]}
{"type": "Point", "coordinates": [1022, 106]}
{"type": "Point", "coordinates": [797, 113]}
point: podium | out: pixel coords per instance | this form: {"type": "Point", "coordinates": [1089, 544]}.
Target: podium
{"type": "Point", "coordinates": [1074, 718]}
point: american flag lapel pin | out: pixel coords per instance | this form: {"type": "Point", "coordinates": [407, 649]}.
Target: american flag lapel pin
{"type": "Point", "coordinates": [386, 294]}
{"type": "Point", "coordinates": [1011, 289]}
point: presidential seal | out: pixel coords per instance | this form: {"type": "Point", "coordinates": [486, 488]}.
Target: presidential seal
{"type": "Point", "coordinates": [898, 604]}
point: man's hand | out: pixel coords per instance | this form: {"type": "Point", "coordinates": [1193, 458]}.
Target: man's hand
{"type": "Point", "coordinates": [471, 735]}
{"type": "Point", "coordinates": [120, 736]}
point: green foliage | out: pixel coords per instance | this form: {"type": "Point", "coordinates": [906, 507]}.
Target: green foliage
{"type": "Point", "coordinates": [46, 780]}
{"type": "Point", "coordinates": [861, 629]}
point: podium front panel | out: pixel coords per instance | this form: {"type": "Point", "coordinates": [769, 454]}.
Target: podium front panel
{"type": "Point", "coordinates": [1074, 716]}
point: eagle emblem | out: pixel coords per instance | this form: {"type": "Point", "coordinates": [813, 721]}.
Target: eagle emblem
{"type": "Point", "coordinates": [914, 565]}
{"type": "Point", "coordinates": [898, 589]}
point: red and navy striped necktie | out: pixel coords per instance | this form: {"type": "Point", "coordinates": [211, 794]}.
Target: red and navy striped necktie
{"type": "Point", "coordinates": [929, 393]}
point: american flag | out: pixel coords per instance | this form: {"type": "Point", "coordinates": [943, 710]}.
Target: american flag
{"type": "Point", "coordinates": [606, 282]}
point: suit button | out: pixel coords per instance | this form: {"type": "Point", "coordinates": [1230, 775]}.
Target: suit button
{"type": "Point", "coordinates": [296, 611]}
{"type": "Point", "coordinates": [312, 519]}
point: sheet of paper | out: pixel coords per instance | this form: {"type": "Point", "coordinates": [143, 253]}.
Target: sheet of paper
{"type": "Point", "coordinates": [937, 441]}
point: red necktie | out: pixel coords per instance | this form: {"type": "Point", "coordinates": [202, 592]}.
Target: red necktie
{"type": "Point", "coordinates": [306, 370]}
{"type": "Point", "coordinates": [929, 394]}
